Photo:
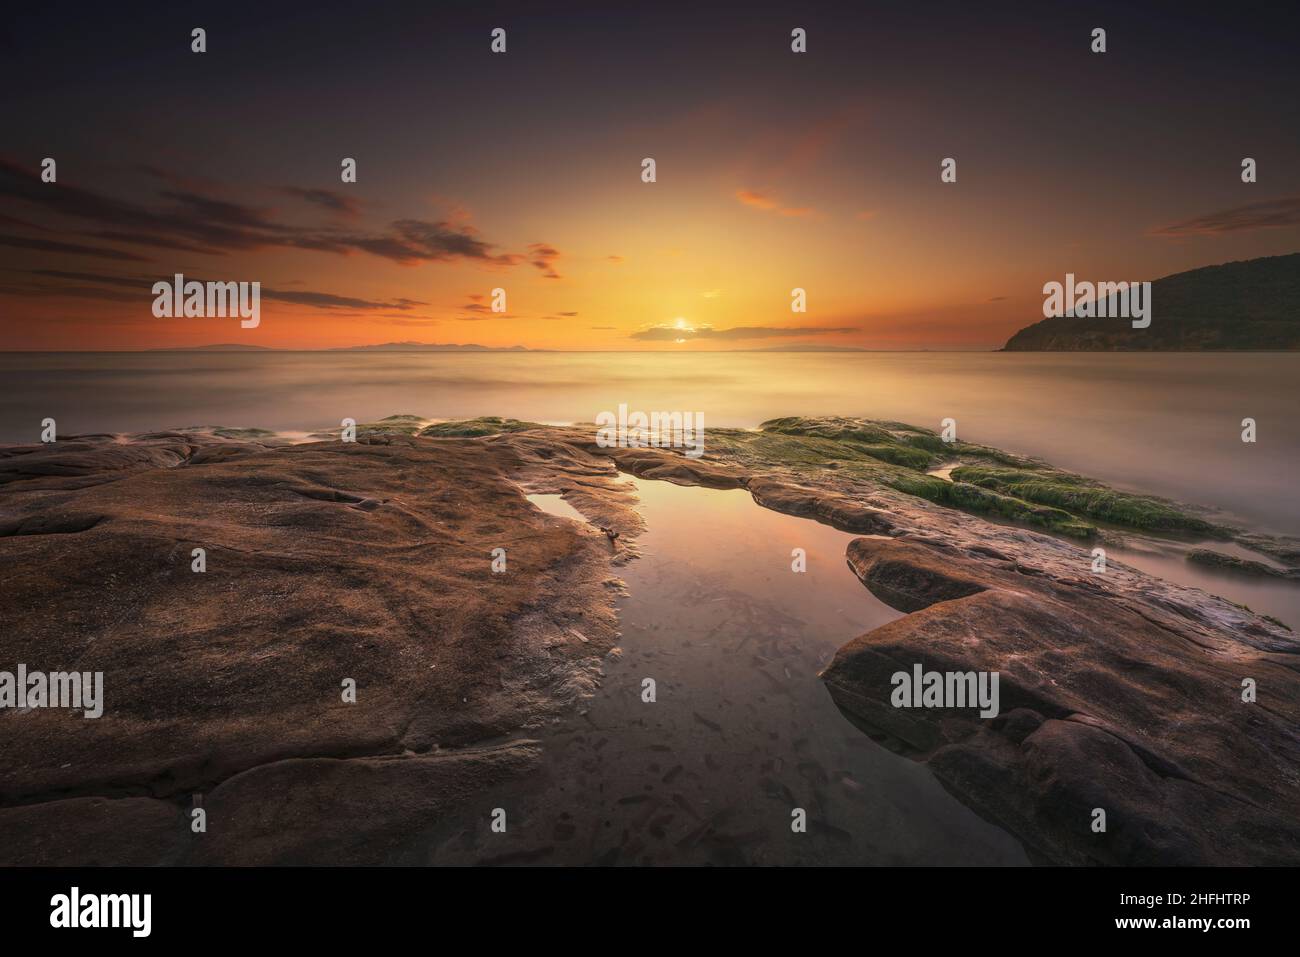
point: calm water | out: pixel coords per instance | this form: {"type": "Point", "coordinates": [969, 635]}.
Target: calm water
{"type": "Point", "coordinates": [742, 730]}
{"type": "Point", "coordinates": [1168, 424]}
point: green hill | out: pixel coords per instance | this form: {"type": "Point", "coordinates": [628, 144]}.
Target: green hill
{"type": "Point", "coordinates": [1249, 305]}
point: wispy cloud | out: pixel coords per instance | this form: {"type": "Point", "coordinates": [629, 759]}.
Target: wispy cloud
{"type": "Point", "coordinates": [326, 300]}
{"type": "Point", "coordinates": [769, 203]}
{"type": "Point", "coordinates": [72, 249]}
{"type": "Point", "coordinates": [543, 257]}
{"type": "Point", "coordinates": [1268, 214]}
{"type": "Point", "coordinates": [328, 199]}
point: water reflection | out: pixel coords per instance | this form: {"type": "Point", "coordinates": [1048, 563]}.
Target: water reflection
{"type": "Point", "coordinates": [742, 730]}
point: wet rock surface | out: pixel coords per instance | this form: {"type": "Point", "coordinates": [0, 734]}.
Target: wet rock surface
{"type": "Point", "coordinates": [1107, 701]}
{"type": "Point", "coordinates": [372, 561]}
{"type": "Point", "coordinates": [369, 561]}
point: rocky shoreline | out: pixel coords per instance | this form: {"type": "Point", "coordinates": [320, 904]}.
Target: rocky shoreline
{"type": "Point", "coordinates": [373, 561]}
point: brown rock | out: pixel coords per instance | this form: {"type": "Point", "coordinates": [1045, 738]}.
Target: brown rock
{"type": "Point", "coordinates": [325, 561]}
{"type": "Point", "coordinates": [1107, 701]}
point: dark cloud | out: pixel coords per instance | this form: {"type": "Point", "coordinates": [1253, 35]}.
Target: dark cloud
{"type": "Point", "coordinates": [183, 221]}
{"type": "Point", "coordinates": [220, 211]}
{"type": "Point", "coordinates": [12, 221]}
{"type": "Point", "coordinates": [74, 284]}
{"type": "Point", "coordinates": [443, 241]}
{"type": "Point", "coordinates": [71, 291]}
{"type": "Point", "coordinates": [327, 199]}
{"type": "Point", "coordinates": [204, 224]}
{"type": "Point", "coordinates": [326, 300]}
{"type": "Point", "coordinates": [133, 282]}
{"type": "Point", "coordinates": [672, 334]}
{"type": "Point", "coordinates": [160, 242]}
{"type": "Point", "coordinates": [1269, 214]}
{"type": "Point", "coordinates": [72, 249]}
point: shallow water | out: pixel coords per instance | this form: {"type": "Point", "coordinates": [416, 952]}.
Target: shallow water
{"type": "Point", "coordinates": [742, 730]}
{"type": "Point", "coordinates": [1277, 597]}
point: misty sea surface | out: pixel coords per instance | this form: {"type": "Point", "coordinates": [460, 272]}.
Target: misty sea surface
{"type": "Point", "coordinates": [1165, 424]}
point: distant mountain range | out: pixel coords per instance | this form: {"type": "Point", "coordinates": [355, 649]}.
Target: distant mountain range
{"type": "Point", "coordinates": [429, 347]}
{"type": "Point", "coordinates": [1249, 305]}
{"type": "Point", "coordinates": [218, 347]}
{"type": "Point", "coordinates": [467, 347]}
{"type": "Point", "coordinates": [379, 347]}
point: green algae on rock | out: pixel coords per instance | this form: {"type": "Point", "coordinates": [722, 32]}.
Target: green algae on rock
{"type": "Point", "coordinates": [472, 428]}
{"type": "Point", "coordinates": [985, 481]}
{"type": "Point", "coordinates": [1084, 496]}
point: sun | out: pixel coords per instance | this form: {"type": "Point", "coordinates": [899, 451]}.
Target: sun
{"type": "Point", "coordinates": [680, 323]}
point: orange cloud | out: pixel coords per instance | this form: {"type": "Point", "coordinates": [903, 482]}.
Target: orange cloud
{"type": "Point", "coordinates": [768, 203]}
{"type": "Point", "coordinates": [543, 256]}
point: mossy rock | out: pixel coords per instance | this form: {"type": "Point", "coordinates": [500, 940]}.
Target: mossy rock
{"type": "Point", "coordinates": [987, 477]}
{"type": "Point", "coordinates": [1084, 496]}
{"type": "Point", "coordinates": [931, 443]}
{"type": "Point", "coordinates": [831, 427]}
{"type": "Point", "coordinates": [1232, 563]}
{"type": "Point", "coordinates": [227, 433]}
{"type": "Point", "coordinates": [911, 458]}
{"type": "Point", "coordinates": [393, 425]}
{"type": "Point", "coordinates": [972, 498]}
{"type": "Point", "coordinates": [473, 428]}
{"type": "Point", "coordinates": [988, 481]}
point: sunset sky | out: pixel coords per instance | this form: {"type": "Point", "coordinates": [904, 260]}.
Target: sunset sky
{"type": "Point", "coordinates": [523, 171]}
